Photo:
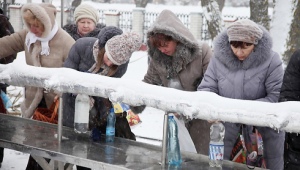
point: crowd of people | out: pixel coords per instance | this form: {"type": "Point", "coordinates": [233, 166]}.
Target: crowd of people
{"type": "Point", "coordinates": [242, 65]}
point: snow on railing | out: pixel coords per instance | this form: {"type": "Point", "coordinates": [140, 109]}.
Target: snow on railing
{"type": "Point", "coordinates": [201, 105]}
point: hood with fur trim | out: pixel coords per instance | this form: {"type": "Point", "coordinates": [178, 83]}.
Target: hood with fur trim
{"type": "Point", "coordinates": [224, 53]}
{"type": "Point", "coordinates": [169, 24]}
{"type": "Point", "coordinates": [45, 12]}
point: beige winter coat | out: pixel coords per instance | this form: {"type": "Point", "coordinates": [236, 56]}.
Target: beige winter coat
{"type": "Point", "coordinates": [186, 67]}
{"type": "Point", "coordinates": [59, 45]}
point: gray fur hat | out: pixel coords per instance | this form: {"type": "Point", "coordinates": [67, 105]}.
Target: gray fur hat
{"type": "Point", "coordinates": [244, 30]}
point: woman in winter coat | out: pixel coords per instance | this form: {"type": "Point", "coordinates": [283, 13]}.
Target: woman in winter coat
{"type": "Point", "coordinates": [178, 60]}
{"type": "Point", "coordinates": [41, 41]}
{"type": "Point", "coordinates": [245, 67]}
{"type": "Point", "coordinates": [43, 46]}
{"type": "Point", "coordinates": [290, 91]}
{"type": "Point", "coordinates": [86, 22]}
{"type": "Point", "coordinates": [107, 55]}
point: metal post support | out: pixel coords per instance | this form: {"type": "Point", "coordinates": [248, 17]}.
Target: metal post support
{"type": "Point", "coordinates": [165, 140]}
{"type": "Point", "coordinates": [60, 115]}
{"type": "Point", "coordinates": [62, 13]}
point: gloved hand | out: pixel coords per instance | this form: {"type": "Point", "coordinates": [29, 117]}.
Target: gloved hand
{"type": "Point", "coordinates": [137, 109]}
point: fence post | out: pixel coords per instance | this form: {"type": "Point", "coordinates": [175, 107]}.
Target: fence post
{"type": "Point", "coordinates": [65, 17]}
{"type": "Point", "coordinates": [112, 18]}
{"type": "Point", "coordinates": [138, 19]}
{"type": "Point", "coordinates": [16, 21]}
{"type": "Point", "coordinates": [196, 24]}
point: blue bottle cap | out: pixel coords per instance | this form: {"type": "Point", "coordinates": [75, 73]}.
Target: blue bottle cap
{"type": "Point", "coordinates": [171, 116]}
{"type": "Point", "coordinates": [112, 110]}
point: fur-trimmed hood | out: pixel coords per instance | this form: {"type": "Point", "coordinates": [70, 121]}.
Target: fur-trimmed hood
{"type": "Point", "coordinates": [224, 53]}
{"type": "Point", "coordinates": [169, 24]}
{"type": "Point", "coordinates": [45, 12]}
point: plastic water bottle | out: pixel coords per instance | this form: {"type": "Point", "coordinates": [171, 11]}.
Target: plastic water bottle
{"type": "Point", "coordinates": [173, 149]}
{"type": "Point", "coordinates": [216, 144]}
{"type": "Point", "coordinates": [81, 118]}
{"type": "Point", "coordinates": [110, 127]}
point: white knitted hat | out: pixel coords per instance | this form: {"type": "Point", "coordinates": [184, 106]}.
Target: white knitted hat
{"type": "Point", "coordinates": [86, 11]}
{"type": "Point", "coordinates": [120, 47]}
{"type": "Point", "coordinates": [244, 30]}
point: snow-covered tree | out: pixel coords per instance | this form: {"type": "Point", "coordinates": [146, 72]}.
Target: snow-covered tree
{"type": "Point", "coordinates": [141, 3]}
{"type": "Point", "coordinates": [213, 16]}
{"type": "Point", "coordinates": [293, 41]}
{"type": "Point", "coordinates": [259, 12]}
{"type": "Point", "coordinates": [280, 23]}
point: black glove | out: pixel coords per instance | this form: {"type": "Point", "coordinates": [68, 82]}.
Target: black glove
{"type": "Point", "coordinates": [137, 109]}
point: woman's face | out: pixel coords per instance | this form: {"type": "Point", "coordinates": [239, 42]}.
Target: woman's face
{"type": "Point", "coordinates": [106, 60]}
{"type": "Point", "coordinates": [168, 48]}
{"type": "Point", "coordinates": [242, 52]}
{"type": "Point", "coordinates": [36, 28]}
{"type": "Point", "coordinates": [85, 26]}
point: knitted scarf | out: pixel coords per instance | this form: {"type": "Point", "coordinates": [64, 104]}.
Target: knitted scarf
{"type": "Point", "coordinates": [31, 38]}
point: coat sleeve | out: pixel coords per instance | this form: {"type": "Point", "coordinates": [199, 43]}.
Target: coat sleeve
{"type": "Point", "coordinates": [152, 75]}
{"type": "Point", "coordinates": [12, 44]}
{"type": "Point", "coordinates": [290, 90]}
{"type": "Point", "coordinates": [74, 55]}
{"type": "Point", "coordinates": [210, 82]}
{"type": "Point", "coordinates": [273, 80]}
{"type": "Point", "coordinates": [207, 54]}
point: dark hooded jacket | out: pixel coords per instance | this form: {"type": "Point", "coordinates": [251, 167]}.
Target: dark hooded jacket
{"type": "Point", "coordinates": [290, 91]}
{"type": "Point", "coordinates": [73, 31]}
{"type": "Point", "coordinates": [258, 77]}
{"type": "Point", "coordinates": [186, 67]}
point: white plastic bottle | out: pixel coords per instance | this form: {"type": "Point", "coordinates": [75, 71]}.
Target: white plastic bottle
{"type": "Point", "coordinates": [216, 144]}
{"type": "Point", "coordinates": [81, 118]}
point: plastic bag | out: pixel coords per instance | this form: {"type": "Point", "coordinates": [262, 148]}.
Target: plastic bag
{"type": "Point", "coordinates": [6, 101]}
{"type": "Point", "coordinates": [185, 141]}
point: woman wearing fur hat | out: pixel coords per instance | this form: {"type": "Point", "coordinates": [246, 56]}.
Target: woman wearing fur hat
{"type": "Point", "coordinates": [41, 41]}
{"type": "Point", "coordinates": [178, 61]}
{"type": "Point", "coordinates": [107, 55]}
{"type": "Point", "coordinates": [245, 67]}
{"type": "Point", "coordinates": [86, 22]}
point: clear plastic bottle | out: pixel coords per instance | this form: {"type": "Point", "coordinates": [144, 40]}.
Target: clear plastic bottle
{"type": "Point", "coordinates": [173, 149]}
{"type": "Point", "coordinates": [110, 127]}
{"type": "Point", "coordinates": [81, 118]}
{"type": "Point", "coordinates": [216, 144]}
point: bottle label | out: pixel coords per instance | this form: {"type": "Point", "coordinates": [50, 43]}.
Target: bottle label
{"type": "Point", "coordinates": [110, 131]}
{"type": "Point", "coordinates": [216, 151]}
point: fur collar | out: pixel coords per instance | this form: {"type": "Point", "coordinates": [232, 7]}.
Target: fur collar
{"type": "Point", "coordinates": [262, 51]}
{"type": "Point", "coordinates": [72, 30]}
{"type": "Point", "coordinates": [174, 64]}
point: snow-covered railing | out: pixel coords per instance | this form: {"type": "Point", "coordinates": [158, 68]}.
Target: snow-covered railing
{"type": "Point", "coordinates": [201, 105]}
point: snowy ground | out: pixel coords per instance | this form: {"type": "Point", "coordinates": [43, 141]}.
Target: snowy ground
{"type": "Point", "coordinates": [152, 119]}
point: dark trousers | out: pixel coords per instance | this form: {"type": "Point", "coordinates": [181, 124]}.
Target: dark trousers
{"type": "Point", "coordinates": [2, 149]}
{"type": "Point", "coordinates": [1, 154]}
